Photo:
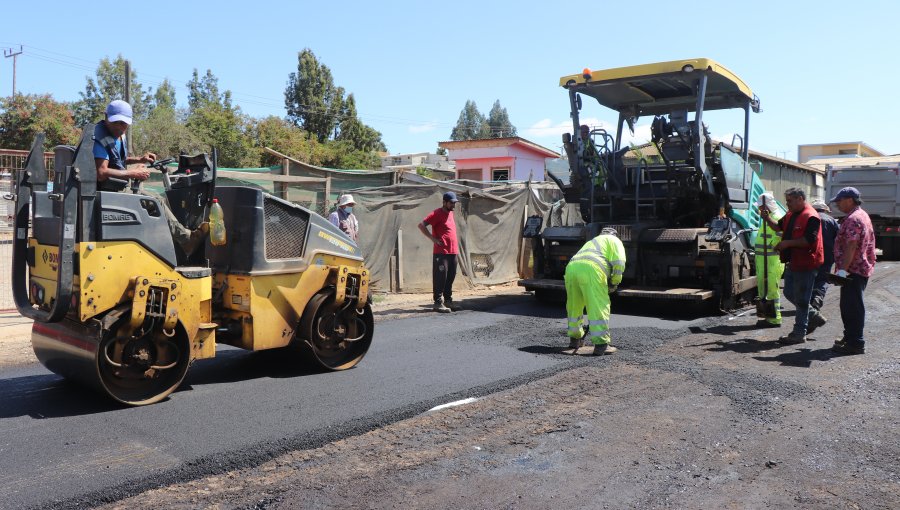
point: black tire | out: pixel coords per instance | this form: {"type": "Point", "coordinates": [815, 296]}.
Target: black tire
{"type": "Point", "coordinates": [336, 336]}
{"type": "Point", "coordinates": [133, 382]}
{"type": "Point", "coordinates": [890, 248]}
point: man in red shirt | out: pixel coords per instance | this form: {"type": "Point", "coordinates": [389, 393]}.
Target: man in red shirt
{"type": "Point", "coordinates": [443, 235]}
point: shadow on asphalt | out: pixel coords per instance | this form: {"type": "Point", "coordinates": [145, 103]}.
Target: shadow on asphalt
{"type": "Point", "coordinates": [51, 396]}
{"type": "Point", "coordinates": [742, 346]}
{"type": "Point", "coordinates": [802, 358]}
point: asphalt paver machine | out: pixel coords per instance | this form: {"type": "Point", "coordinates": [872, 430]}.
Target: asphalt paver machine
{"type": "Point", "coordinates": [682, 203]}
{"type": "Point", "coordinates": [118, 305]}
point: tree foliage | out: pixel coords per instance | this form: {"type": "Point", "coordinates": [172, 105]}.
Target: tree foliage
{"type": "Point", "coordinates": [311, 99]}
{"type": "Point", "coordinates": [164, 97]}
{"type": "Point", "coordinates": [498, 122]}
{"type": "Point", "coordinates": [24, 116]}
{"type": "Point", "coordinates": [471, 124]}
{"type": "Point", "coordinates": [213, 118]}
{"type": "Point", "coordinates": [210, 119]}
{"type": "Point", "coordinates": [165, 134]}
{"type": "Point", "coordinates": [109, 85]}
{"type": "Point", "coordinates": [317, 105]}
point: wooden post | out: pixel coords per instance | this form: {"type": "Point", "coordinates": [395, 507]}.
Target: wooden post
{"type": "Point", "coordinates": [400, 260]}
{"type": "Point", "coordinates": [327, 195]}
{"type": "Point", "coordinates": [393, 274]}
{"type": "Point", "coordinates": [522, 266]}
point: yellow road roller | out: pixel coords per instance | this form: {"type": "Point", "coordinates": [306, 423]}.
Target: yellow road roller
{"type": "Point", "coordinates": [119, 305]}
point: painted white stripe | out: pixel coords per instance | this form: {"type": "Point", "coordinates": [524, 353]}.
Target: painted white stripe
{"type": "Point", "coordinates": [454, 404]}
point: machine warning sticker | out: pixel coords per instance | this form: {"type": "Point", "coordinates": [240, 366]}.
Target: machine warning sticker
{"type": "Point", "coordinates": [335, 241]}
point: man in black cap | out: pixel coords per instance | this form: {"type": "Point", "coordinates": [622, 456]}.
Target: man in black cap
{"type": "Point", "coordinates": [443, 235]}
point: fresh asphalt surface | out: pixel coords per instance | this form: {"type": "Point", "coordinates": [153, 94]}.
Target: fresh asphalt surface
{"type": "Point", "coordinates": [65, 447]}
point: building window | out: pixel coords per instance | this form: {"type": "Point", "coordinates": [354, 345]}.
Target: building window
{"type": "Point", "coordinates": [396, 160]}
{"type": "Point", "coordinates": [500, 174]}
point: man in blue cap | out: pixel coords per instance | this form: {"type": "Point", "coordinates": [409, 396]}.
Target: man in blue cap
{"type": "Point", "coordinates": [443, 235]}
{"type": "Point", "coordinates": [854, 259]}
{"type": "Point", "coordinates": [112, 160]}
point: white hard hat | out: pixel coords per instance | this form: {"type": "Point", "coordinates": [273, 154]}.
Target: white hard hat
{"type": "Point", "coordinates": [766, 199]}
{"type": "Point", "coordinates": [345, 200]}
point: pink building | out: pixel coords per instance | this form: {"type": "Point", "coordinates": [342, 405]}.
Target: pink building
{"type": "Point", "coordinates": [498, 159]}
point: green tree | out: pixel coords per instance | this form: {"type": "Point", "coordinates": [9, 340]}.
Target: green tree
{"type": "Point", "coordinates": [284, 137]}
{"type": "Point", "coordinates": [24, 116]}
{"type": "Point", "coordinates": [164, 97]}
{"type": "Point", "coordinates": [217, 123]}
{"type": "Point", "coordinates": [352, 130]}
{"type": "Point", "coordinates": [165, 134]}
{"type": "Point", "coordinates": [109, 85]}
{"type": "Point", "coordinates": [471, 124]}
{"type": "Point", "coordinates": [311, 99]}
{"type": "Point", "coordinates": [498, 122]}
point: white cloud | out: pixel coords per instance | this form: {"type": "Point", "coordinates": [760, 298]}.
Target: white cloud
{"type": "Point", "coordinates": [423, 128]}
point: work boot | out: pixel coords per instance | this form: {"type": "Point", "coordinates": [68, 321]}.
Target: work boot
{"type": "Point", "coordinates": [760, 324]}
{"type": "Point", "coordinates": [792, 339]}
{"type": "Point", "coordinates": [439, 307]}
{"type": "Point", "coordinates": [842, 347]}
{"type": "Point", "coordinates": [603, 349]}
{"type": "Point", "coordinates": [576, 343]}
{"type": "Point", "coordinates": [452, 305]}
{"type": "Point", "coordinates": [815, 321]}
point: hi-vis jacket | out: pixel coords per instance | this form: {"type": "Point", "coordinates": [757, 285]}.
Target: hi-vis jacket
{"type": "Point", "coordinates": [607, 253]}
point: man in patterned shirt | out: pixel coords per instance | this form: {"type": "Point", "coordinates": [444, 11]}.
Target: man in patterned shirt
{"type": "Point", "coordinates": [854, 259]}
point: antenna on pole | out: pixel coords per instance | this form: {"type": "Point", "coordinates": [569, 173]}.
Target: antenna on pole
{"type": "Point", "coordinates": [14, 54]}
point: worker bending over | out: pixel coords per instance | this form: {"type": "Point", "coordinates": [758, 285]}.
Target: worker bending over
{"type": "Point", "coordinates": [591, 275]}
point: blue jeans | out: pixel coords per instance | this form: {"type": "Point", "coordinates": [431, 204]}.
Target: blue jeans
{"type": "Point", "coordinates": [820, 287]}
{"type": "Point", "coordinates": [798, 289]}
{"type": "Point", "coordinates": [853, 309]}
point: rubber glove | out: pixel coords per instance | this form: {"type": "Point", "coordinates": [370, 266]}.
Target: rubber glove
{"type": "Point", "coordinates": [842, 273]}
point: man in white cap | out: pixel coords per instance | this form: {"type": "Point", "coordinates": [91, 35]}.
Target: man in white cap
{"type": "Point", "coordinates": [110, 149]}
{"type": "Point", "coordinates": [111, 157]}
{"type": "Point", "coordinates": [830, 229]}
{"type": "Point", "coordinates": [344, 219]}
{"type": "Point", "coordinates": [768, 266]}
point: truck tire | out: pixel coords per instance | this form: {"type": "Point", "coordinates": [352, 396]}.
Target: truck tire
{"type": "Point", "coordinates": [890, 248]}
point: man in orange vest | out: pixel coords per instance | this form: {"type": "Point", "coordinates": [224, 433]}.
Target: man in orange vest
{"type": "Point", "coordinates": [801, 250]}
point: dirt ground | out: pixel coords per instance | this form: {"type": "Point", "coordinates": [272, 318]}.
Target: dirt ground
{"type": "Point", "coordinates": [721, 417]}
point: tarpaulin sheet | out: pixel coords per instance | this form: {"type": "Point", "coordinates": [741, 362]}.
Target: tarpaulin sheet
{"type": "Point", "coordinates": [489, 229]}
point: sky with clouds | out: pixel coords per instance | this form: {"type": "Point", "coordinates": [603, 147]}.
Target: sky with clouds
{"type": "Point", "coordinates": [825, 71]}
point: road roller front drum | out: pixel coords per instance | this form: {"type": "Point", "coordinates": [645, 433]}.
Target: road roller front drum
{"type": "Point", "coordinates": [336, 336]}
{"type": "Point", "coordinates": [142, 368]}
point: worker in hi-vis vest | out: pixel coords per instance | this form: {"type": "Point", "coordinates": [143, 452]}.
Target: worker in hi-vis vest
{"type": "Point", "coordinates": [769, 267]}
{"type": "Point", "coordinates": [591, 275]}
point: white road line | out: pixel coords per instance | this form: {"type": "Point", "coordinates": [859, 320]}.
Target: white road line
{"type": "Point", "coordinates": [453, 404]}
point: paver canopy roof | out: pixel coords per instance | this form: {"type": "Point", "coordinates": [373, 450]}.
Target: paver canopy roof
{"type": "Point", "coordinates": [654, 89]}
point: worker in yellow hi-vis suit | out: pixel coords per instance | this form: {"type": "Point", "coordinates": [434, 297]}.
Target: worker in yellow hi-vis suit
{"type": "Point", "coordinates": [591, 275]}
{"type": "Point", "coordinates": [768, 266]}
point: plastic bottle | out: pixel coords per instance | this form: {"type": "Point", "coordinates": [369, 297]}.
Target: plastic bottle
{"type": "Point", "coordinates": [216, 224]}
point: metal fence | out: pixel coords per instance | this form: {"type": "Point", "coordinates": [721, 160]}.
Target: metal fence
{"type": "Point", "coordinates": [10, 162]}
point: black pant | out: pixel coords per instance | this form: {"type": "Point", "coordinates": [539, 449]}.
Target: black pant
{"type": "Point", "coordinates": [853, 309]}
{"type": "Point", "coordinates": [443, 274]}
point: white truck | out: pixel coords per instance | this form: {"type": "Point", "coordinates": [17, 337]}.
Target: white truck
{"type": "Point", "coordinates": [879, 188]}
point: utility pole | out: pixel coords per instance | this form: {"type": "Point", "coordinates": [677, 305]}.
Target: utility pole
{"type": "Point", "coordinates": [128, 100]}
{"type": "Point", "coordinates": [10, 53]}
